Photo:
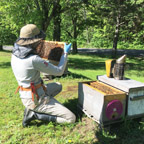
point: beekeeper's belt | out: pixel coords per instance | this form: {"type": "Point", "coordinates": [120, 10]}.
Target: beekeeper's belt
{"type": "Point", "coordinates": [32, 88]}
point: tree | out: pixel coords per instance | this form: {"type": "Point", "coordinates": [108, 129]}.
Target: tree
{"type": "Point", "coordinates": [40, 12]}
{"type": "Point", "coordinates": [100, 23]}
{"type": "Point", "coordinates": [74, 24]}
{"type": "Point", "coordinates": [14, 15]}
{"type": "Point", "coordinates": [1, 48]}
{"type": "Point", "coordinates": [57, 22]}
{"type": "Point", "coordinates": [114, 18]}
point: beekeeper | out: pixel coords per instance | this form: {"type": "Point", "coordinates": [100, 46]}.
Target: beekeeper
{"type": "Point", "coordinates": [38, 98]}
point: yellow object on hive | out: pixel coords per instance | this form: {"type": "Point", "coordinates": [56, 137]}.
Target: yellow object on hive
{"type": "Point", "coordinates": [109, 66]}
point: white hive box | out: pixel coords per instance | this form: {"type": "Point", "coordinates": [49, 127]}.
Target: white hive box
{"type": "Point", "coordinates": [134, 91]}
{"type": "Point", "coordinates": [101, 102]}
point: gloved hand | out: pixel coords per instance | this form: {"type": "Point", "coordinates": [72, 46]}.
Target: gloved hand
{"type": "Point", "coordinates": [67, 48]}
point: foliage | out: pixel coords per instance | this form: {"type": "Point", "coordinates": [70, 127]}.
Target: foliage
{"type": "Point", "coordinates": [14, 15]}
{"type": "Point", "coordinates": [130, 21]}
{"type": "Point", "coordinates": [74, 23]}
{"type": "Point", "coordinates": [85, 23]}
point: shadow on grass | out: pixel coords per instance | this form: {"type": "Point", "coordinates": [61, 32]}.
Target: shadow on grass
{"type": "Point", "coordinates": [132, 66]}
{"type": "Point", "coordinates": [7, 51]}
{"type": "Point", "coordinates": [71, 75]}
{"type": "Point", "coordinates": [5, 64]}
{"type": "Point", "coordinates": [85, 64]}
{"type": "Point", "coordinates": [96, 55]}
{"type": "Point", "coordinates": [71, 104]}
{"type": "Point", "coordinates": [74, 75]}
{"type": "Point", "coordinates": [136, 63]}
{"type": "Point", "coordinates": [128, 132]}
{"type": "Point", "coordinates": [95, 62]}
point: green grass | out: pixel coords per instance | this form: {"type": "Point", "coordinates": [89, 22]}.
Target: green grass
{"type": "Point", "coordinates": [85, 131]}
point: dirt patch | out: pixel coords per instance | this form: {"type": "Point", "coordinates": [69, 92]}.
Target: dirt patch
{"type": "Point", "coordinates": [86, 126]}
{"type": "Point", "coordinates": [72, 88]}
{"type": "Point", "coordinates": [103, 88]}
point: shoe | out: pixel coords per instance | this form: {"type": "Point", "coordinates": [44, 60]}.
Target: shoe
{"type": "Point", "coordinates": [31, 115]}
{"type": "Point", "coordinates": [28, 117]}
{"type": "Point", "coordinates": [45, 117]}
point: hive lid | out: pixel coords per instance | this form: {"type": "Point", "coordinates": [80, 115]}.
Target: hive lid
{"type": "Point", "coordinates": [124, 85]}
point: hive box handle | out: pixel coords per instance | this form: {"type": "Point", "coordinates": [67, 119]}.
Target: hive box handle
{"type": "Point", "coordinates": [137, 98]}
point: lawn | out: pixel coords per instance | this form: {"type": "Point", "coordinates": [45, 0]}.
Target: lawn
{"type": "Point", "coordinates": [84, 131]}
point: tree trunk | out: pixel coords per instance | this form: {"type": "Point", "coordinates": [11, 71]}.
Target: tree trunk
{"type": "Point", "coordinates": [87, 31]}
{"type": "Point", "coordinates": [74, 47]}
{"type": "Point", "coordinates": [1, 47]}
{"type": "Point", "coordinates": [116, 36]}
{"type": "Point", "coordinates": [75, 36]}
{"type": "Point", "coordinates": [57, 29]}
{"type": "Point", "coordinates": [57, 22]}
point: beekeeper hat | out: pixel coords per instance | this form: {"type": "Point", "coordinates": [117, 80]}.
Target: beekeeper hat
{"type": "Point", "coordinates": [30, 34]}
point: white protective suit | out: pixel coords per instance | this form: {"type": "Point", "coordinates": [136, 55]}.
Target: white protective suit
{"type": "Point", "coordinates": [27, 67]}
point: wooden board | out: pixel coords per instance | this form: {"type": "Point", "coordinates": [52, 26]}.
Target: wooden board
{"type": "Point", "coordinates": [50, 50]}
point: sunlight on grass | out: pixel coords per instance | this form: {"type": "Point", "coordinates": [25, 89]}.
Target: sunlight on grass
{"type": "Point", "coordinates": [82, 68]}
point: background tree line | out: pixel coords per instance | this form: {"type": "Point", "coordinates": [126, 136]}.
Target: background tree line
{"type": "Point", "coordinates": [86, 23]}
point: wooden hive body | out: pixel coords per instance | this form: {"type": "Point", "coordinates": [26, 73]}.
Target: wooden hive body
{"type": "Point", "coordinates": [94, 97]}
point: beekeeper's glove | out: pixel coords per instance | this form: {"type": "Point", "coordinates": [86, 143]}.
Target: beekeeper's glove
{"type": "Point", "coordinates": [67, 48]}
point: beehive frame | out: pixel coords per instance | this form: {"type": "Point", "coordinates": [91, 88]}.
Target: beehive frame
{"type": "Point", "coordinates": [50, 50]}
